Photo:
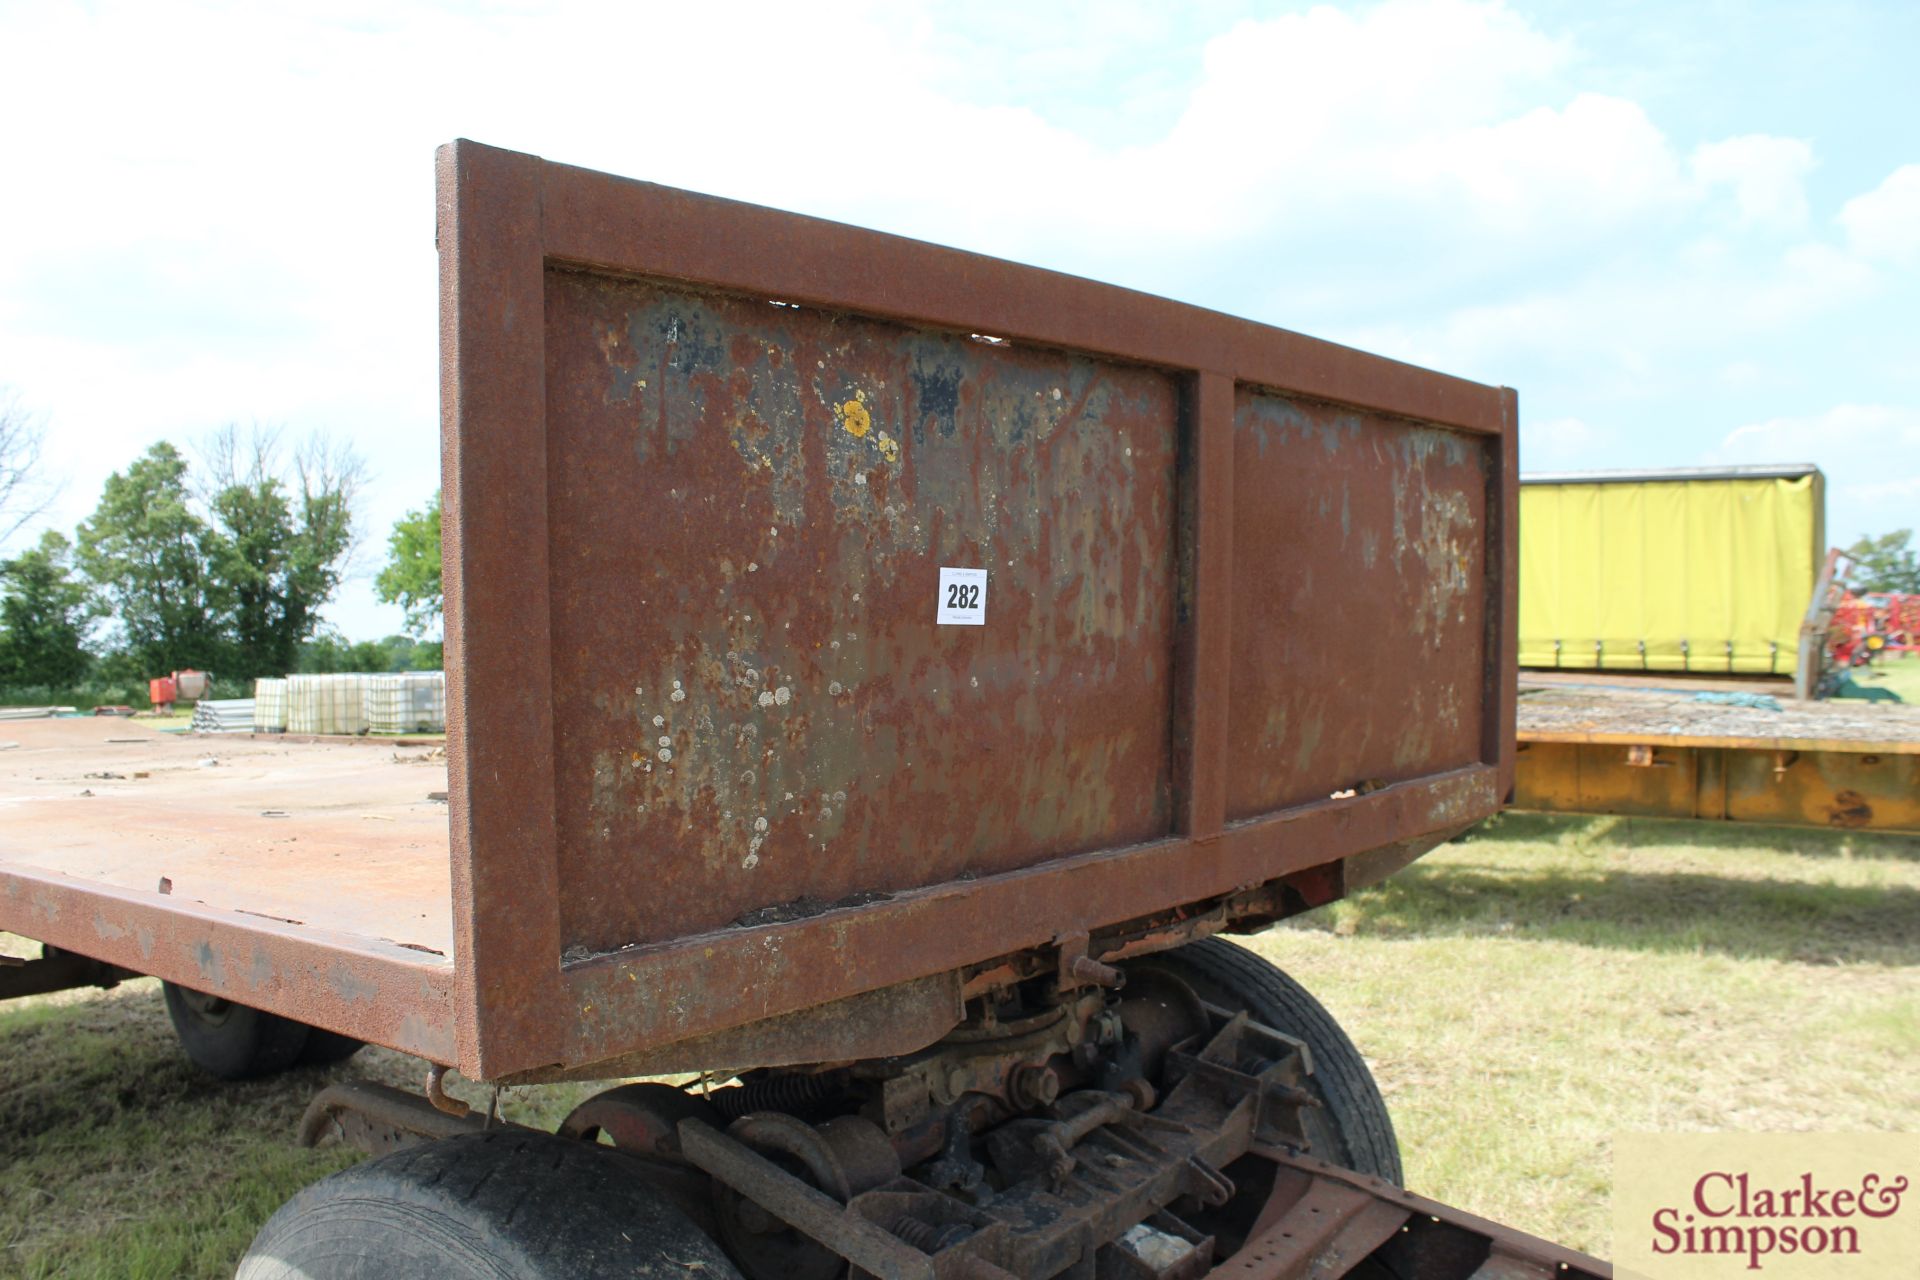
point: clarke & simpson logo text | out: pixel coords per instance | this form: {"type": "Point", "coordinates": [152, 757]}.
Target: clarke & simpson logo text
{"type": "Point", "coordinates": [1784, 1206]}
{"type": "Point", "coordinates": [1728, 1214]}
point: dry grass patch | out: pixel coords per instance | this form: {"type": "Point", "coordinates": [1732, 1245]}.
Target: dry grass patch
{"type": "Point", "coordinates": [1524, 995]}
{"type": "Point", "coordinates": [1529, 992]}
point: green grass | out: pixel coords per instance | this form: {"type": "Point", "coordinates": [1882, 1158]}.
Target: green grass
{"type": "Point", "coordinates": [1523, 994]}
{"type": "Point", "coordinates": [84, 697]}
{"type": "Point", "coordinates": [1531, 991]}
{"type": "Point", "coordinates": [1902, 675]}
{"type": "Point", "coordinates": [119, 1159]}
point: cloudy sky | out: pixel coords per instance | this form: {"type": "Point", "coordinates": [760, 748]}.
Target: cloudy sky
{"type": "Point", "coordinates": [1688, 233]}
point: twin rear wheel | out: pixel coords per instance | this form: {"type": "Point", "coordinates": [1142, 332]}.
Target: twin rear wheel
{"type": "Point", "coordinates": [510, 1203]}
{"type": "Point", "coordinates": [505, 1205]}
{"type": "Point", "coordinates": [1350, 1127]}
{"type": "Point", "coordinates": [235, 1042]}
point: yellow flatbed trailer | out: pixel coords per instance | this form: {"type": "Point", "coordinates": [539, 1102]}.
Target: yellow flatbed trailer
{"type": "Point", "coordinates": [1657, 751]}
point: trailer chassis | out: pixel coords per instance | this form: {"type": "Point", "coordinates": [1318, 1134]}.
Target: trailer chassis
{"type": "Point", "coordinates": [1101, 1123]}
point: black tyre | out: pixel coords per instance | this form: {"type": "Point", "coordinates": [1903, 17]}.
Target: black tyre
{"type": "Point", "coordinates": [1351, 1128]}
{"type": "Point", "coordinates": [325, 1048]}
{"type": "Point", "coordinates": [233, 1041]}
{"type": "Point", "coordinates": [485, 1206]}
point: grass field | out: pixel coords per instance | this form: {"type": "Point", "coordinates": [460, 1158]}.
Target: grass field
{"type": "Point", "coordinates": [1525, 994]}
{"type": "Point", "coordinates": [1901, 675]}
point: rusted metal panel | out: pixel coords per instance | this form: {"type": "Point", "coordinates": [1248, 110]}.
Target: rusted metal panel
{"type": "Point", "coordinates": [354, 985]}
{"type": "Point", "coordinates": [882, 1023]}
{"type": "Point", "coordinates": [625, 227]}
{"type": "Point", "coordinates": [500, 722]}
{"type": "Point", "coordinates": [1658, 778]}
{"type": "Point", "coordinates": [749, 506]}
{"type": "Point", "coordinates": [748, 774]}
{"type": "Point", "coordinates": [1359, 601]}
{"type": "Point", "coordinates": [1503, 621]}
{"type": "Point", "coordinates": [712, 761]}
{"type": "Point", "coordinates": [739, 975]}
{"type": "Point", "coordinates": [302, 878]}
{"type": "Point", "coordinates": [1438, 1240]}
{"type": "Point", "coordinates": [1203, 651]}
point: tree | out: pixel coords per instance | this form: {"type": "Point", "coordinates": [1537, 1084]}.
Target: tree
{"type": "Point", "coordinates": [147, 552]}
{"type": "Point", "coordinates": [411, 578]}
{"type": "Point", "coordinates": [1886, 563]}
{"type": "Point", "coordinates": [330, 653]}
{"type": "Point", "coordinates": [43, 617]}
{"type": "Point", "coordinates": [279, 545]}
{"type": "Point", "coordinates": [232, 578]}
{"type": "Point", "coordinates": [24, 492]}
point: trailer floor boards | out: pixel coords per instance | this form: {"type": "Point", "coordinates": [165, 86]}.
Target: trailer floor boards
{"type": "Point", "coordinates": [242, 877]}
{"type": "Point", "coordinates": [1847, 764]}
{"type": "Point", "coordinates": [1595, 714]}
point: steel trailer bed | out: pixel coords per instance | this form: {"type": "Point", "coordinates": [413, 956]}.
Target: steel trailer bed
{"type": "Point", "coordinates": [305, 877]}
{"type": "Point", "coordinates": [873, 670]}
{"type": "Point", "coordinates": [712, 759]}
{"type": "Point", "coordinates": [1659, 750]}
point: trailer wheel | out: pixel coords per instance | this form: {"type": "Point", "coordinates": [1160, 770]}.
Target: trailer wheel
{"type": "Point", "coordinates": [1351, 1128]}
{"type": "Point", "coordinates": [233, 1041]}
{"type": "Point", "coordinates": [504, 1205]}
{"type": "Point", "coordinates": [325, 1048]}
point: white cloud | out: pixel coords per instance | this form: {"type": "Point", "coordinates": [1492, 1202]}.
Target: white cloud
{"type": "Point", "coordinates": [1624, 317]}
{"type": "Point", "coordinates": [1870, 453]}
{"type": "Point", "coordinates": [1845, 431]}
{"type": "Point", "coordinates": [1561, 442]}
{"type": "Point", "coordinates": [1767, 176]}
{"type": "Point", "coordinates": [1594, 164]}
{"type": "Point", "coordinates": [231, 214]}
{"type": "Point", "coordinates": [1906, 492]}
{"type": "Point", "coordinates": [1885, 222]}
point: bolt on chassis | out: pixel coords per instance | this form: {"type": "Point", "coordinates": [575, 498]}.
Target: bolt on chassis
{"type": "Point", "coordinates": [876, 674]}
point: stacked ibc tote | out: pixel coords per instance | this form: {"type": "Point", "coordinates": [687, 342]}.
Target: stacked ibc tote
{"type": "Point", "coordinates": [1693, 569]}
{"type": "Point", "coordinates": [409, 702]}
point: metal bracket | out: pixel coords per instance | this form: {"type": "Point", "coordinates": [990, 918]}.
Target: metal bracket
{"type": "Point", "coordinates": [377, 1118]}
{"type": "Point", "coordinates": [56, 970]}
{"type": "Point", "coordinates": [1078, 969]}
{"type": "Point", "coordinates": [808, 1210]}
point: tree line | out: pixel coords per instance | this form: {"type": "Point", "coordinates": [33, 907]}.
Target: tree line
{"type": "Point", "coordinates": [222, 562]}
{"type": "Point", "coordinates": [227, 568]}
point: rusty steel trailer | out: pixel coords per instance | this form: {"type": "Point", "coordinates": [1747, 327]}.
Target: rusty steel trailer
{"type": "Point", "coordinates": [1661, 752]}
{"type": "Point", "coordinates": [873, 672]}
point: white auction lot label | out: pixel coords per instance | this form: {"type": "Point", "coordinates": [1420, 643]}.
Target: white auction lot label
{"type": "Point", "coordinates": [963, 598]}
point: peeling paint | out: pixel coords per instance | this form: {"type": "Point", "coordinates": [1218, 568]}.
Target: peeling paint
{"type": "Point", "coordinates": [1371, 576]}
{"type": "Point", "coordinates": [212, 967]}
{"type": "Point", "coordinates": [350, 986]}
{"type": "Point", "coordinates": [842, 461]}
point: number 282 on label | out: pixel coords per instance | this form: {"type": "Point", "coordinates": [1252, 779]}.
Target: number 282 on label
{"type": "Point", "coordinates": [963, 598]}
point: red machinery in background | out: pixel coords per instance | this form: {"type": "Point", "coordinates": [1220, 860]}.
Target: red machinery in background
{"type": "Point", "coordinates": [1867, 626]}
{"type": "Point", "coordinates": [181, 686]}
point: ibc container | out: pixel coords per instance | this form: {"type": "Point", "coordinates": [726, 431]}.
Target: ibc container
{"type": "Point", "coordinates": [330, 704]}
{"type": "Point", "coordinates": [411, 702]}
{"type": "Point", "coordinates": [270, 706]}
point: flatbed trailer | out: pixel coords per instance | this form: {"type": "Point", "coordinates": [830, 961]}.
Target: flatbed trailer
{"type": "Point", "coordinates": [1656, 750]}
{"type": "Point", "coordinates": [874, 673]}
